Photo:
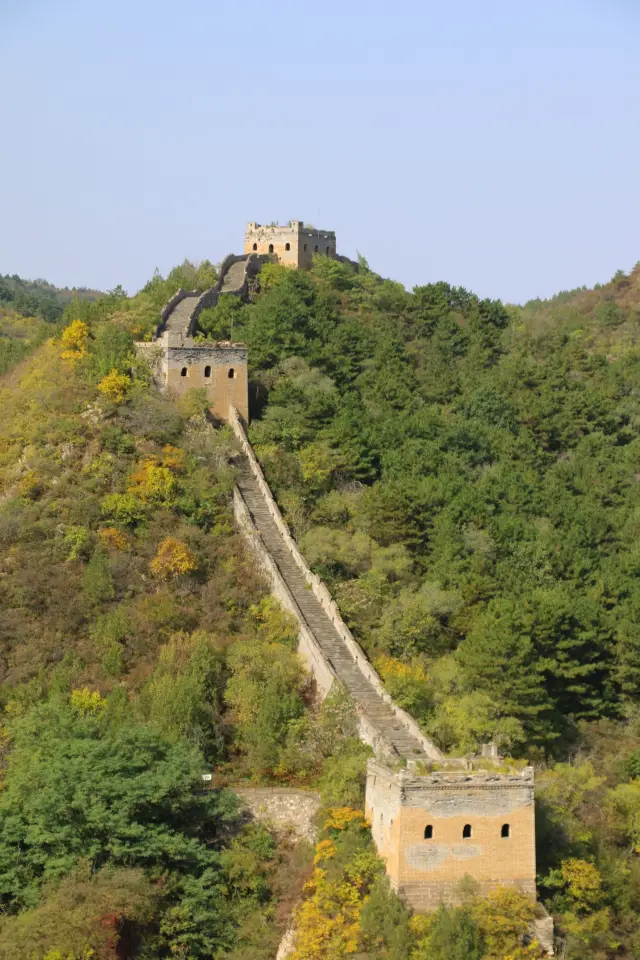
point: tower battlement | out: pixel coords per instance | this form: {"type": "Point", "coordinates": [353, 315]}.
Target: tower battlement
{"type": "Point", "coordinates": [293, 244]}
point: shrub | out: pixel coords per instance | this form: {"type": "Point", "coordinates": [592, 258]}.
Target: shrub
{"type": "Point", "coordinates": [77, 539]}
{"type": "Point", "coordinates": [97, 580]}
{"type": "Point", "coordinates": [86, 702]}
{"type": "Point", "coordinates": [112, 538]}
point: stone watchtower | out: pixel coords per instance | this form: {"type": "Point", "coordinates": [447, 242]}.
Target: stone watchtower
{"type": "Point", "coordinates": [293, 245]}
{"type": "Point", "coordinates": [219, 368]}
{"type": "Point", "coordinates": [435, 826]}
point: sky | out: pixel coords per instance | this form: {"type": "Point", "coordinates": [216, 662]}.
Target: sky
{"type": "Point", "coordinates": [494, 144]}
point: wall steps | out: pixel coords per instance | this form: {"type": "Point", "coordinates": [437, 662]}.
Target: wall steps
{"type": "Point", "coordinates": [369, 701]}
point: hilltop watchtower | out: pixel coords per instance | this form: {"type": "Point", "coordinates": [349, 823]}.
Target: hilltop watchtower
{"type": "Point", "coordinates": [293, 245]}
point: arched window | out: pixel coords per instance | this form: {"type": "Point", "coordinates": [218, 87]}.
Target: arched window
{"type": "Point", "coordinates": [255, 246]}
{"type": "Point", "coordinates": [466, 831]}
{"type": "Point", "coordinates": [328, 251]}
{"type": "Point", "coordinates": [184, 372]}
{"type": "Point", "coordinates": [428, 832]}
{"type": "Point", "coordinates": [231, 373]}
{"type": "Point", "coordinates": [505, 830]}
{"type": "Point", "coordinates": [305, 248]}
{"type": "Point", "coordinates": [287, 246]}
{"type": "Point", "coordinates": [207, 371]}
{"type": "Point", "coordinates": [270, 248]}
{"type": "Point", "coordinates": [316, 248]}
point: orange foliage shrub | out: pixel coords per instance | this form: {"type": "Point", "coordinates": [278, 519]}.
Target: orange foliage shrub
{"type": "Point", "coordinates": [112, 538]}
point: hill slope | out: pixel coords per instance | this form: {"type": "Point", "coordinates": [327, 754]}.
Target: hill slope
{"type": "Point", "coordinates": [463, 475]}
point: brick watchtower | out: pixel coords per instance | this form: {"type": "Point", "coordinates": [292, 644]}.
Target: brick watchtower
{"type": "Point", "coordinates": [434, 827]}
{"type": "Point", "coordinates": [293, 245]}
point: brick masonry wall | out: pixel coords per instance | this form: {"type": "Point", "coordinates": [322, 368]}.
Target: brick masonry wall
{"type": "Point", "coordinates": [303, 242]}
{"type": "Point", "coordinates": [308, 649]}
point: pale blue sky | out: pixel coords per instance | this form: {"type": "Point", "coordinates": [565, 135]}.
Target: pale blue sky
{"type": "Point", "coordinates": [490, 143]}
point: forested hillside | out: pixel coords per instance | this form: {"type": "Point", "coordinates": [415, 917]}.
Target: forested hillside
{"type": "Point", "coordinates": [464, 476]}
{"type": "Point", "coordinates": [28, 310]}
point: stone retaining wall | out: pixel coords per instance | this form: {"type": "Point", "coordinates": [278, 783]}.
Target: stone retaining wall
{"type": "Point", "coordinates": [285, 810]}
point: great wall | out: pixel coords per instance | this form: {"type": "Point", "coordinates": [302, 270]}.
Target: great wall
{"type": "Point", "coordinates": [434, 819]}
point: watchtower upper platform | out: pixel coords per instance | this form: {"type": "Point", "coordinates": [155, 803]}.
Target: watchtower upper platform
{"type": "Point", "coordinates": [293, 244]}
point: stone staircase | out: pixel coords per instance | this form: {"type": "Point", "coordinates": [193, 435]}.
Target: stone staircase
{"type": "Point", "coordinates": [183, 317]}
{"type": "Point", "coordinates": [180, 317]}
{"type": "Point", "coordinates": [368, 700]}
{"type": "Point", "coordinates": [233, 279]}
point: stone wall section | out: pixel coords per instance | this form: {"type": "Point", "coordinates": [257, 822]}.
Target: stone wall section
{"type": "Point", "coordinates": [171, 305]}
{"type": "Point", "coordinates": [309, 649]}
{"type": "Point", "coordinates": [155, 356]}
{"type": "Point", "coordinates": [325, 599]}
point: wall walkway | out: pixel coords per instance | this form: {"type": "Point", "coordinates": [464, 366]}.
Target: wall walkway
{"type": "Point", "coordinates": [326, 642]}
{"type": "Point", "coordinates": [181, 313]}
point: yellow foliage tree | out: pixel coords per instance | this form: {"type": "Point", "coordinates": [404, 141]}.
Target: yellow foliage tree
{"type": "Point", "coordinates": [340, 817]}
{"type": "Point", "coordinates": [30, 486]}
{"type": "Point", "coordinates": [154, 480]}
{"type": "Point", "coordinates": [583, 880]}
{"type": "Point", "coordinates": [74, 340]}
{"type": "Point", "coordinates": [328, 920]}
{"type": "Point", "coordinates": [115, 386]}
{"type": "Point", "coordinates": [504, 920]}
{"type": "Point", "coordinates": [398, 671]}
{"type": "Point", "coordinates": [173, 559]}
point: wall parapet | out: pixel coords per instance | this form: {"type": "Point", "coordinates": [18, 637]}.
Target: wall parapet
{"type": "Point", "coordinates": [323, 596]}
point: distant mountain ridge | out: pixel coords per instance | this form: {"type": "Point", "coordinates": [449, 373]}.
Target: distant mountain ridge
{"type": "Point", "coordinates": [609, 312]}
